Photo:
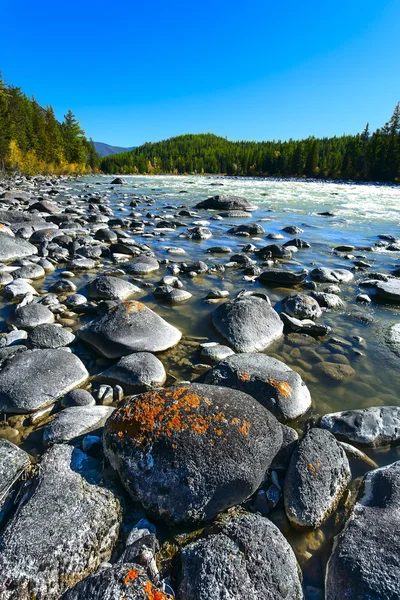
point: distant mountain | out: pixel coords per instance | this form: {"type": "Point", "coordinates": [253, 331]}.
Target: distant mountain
{"type": "Point", "coordinates": [107, 150]}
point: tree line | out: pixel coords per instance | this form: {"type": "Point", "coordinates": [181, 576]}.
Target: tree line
{"type": "Point", "coordinates": [33, 141]}
{"type": "Point", "coordinates": [366, 156]}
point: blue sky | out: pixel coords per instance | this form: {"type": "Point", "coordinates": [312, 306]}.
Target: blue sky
{"type": "Point", "coordinates": [143, 71]}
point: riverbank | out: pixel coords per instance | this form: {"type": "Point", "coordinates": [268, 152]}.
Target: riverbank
{"type": "Point", "coordinates": [260, 312]}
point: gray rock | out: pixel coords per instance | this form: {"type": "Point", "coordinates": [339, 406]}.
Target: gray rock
{"type": "Point", "coordinates": [13, 464]}
{"type": "Point", "coordinates": [191, 451]}
{"type": "Point", "coordinates": [198, 233]}
{"type": "Point", "coordinates": [227, 203]}
{"type": "Point", "coordinates": [365, 561]}
{"type": "Point", "coordinates": [30, 315]}
{"type": "Point", "coordinates": [135, 373]}
{"type": "Point", "coordinates": [274, 251]}
{"type": "Point", "coordinates": [250, 228]}
{"type": "Point", "coordinates": [75, 421]}
{"type": "Point", "coordinates": [306, 326]}
{"type": "Point", "coordinates": [36, 378]}
{"type": "Point", "coordinates": [18, 289]}
{"type": "Point", "coordinates": [283, 276]}
{"type": "Point", "coordinates": [317, 476]}
{"type": "Point", "coordinates": [392, 338]}
{"type": "Point", "coordinates": [248, 323]}
{"type": "Point", "coordinates": [64, 528]}
{"type": "Point", "coordinates": [111, 288]}
{"type": "Point", "coordinates": [302, 306]}
{"type": "Point", "coordinates": [267, 379]}
{"type": "Point", "coordinates": [249, 558]}
{"type": "Point", "coordinates": [323, 274]}
{"type": "Point", "coordinates": [214, 354]}
{"type": "Point", "coordinates": [31, 272]}
{"type": "Point", "coordinates": [375, 426]}
{"type": "Point", "coordinates": [75, 300]}
{"type": "Point", "coordinates": [293, 230]}
{"type": "Point", "coordinates": [129, 327]}
{"type": "Point", "coordinates": [390, 290]}
{"type": "Point", "coordinates": [167, 293]}
{"type": "Point", "coordinates": [78, 397]}
{"type": "Point", "coordinates": [82, 264]}
{"type": "Point", "coordinates": [14, 247]}
{"type": "Point", "coordinates": [50, 336]}
{"type": "Point", "coordinates": [327, 300]}
{"type": "Point", "coordinates": [220, 250]}
{"type": "Point", "coordinates": [141, 265]}
{"type": "Point", "coordinates": [128, 581]}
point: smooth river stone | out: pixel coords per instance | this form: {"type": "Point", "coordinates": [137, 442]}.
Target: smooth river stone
{"type": "Point", "coordinates": [374, 427]}
{"type": "Point", "coordinates": [13, 463]}
{"type": "Point", "coordinates": [142, 265]}
{"type": "Point", "coordinates": [390, 290]}
{"type": "Point", "coordinates": [323, 274]}
{"type": "Point", "coordinates": [129, 327]}
{"type": "Point", "coordinates": [74, 422]}
{"type": "Point", "coordinates": [226, 203]}
{"type": "Point", "coordinates": [248, 323]}
{"type": "Point", "coordinates": [283, 276]}
{"type": "Point", "coordinates": [135, 373]}
{"type": "Point", "coordinates": [111, 288]}
{"type": "Point", "coordinates": [14, 247]}
{"type": "Point", "coordinates": [36, 378]}
{"type": "Point", "coordinates": [188, 452]}
{"type": "Point", "coordinates": [30, 315]}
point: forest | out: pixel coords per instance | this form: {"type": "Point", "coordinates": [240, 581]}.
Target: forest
{"type": "Point", "coordinates": [32, 141]}
{"type": "Point", "coordinates": [368, 156]}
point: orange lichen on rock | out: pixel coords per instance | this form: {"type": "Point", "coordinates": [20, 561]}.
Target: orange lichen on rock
{"type": "Point", "coordinates": [282, 387]}
{"type": "Point", "coordinates": [244, 376]}
{"type": "Point", "coordinates": [153, 594]}
{"type": "Point", "coordinates": [244, 428]}
{"type": "Point", "coordinates": [312, 468]}
{"type": "Point", "coordinates": [130, 576]}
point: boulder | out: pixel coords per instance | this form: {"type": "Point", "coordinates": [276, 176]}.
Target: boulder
{"type": "Point", "coordinates": [365, 562]}
{"type": "Point", "coordinates": [327, 300]}
{"type": "Point", "coordinates": [248, 323]}
{"type": "Point", "coordinates": [249, 558]}
{"type": "Point", "coordinates": [250, 228]}
{"type": "Point", "coordinates": [127, 581]}
{"type": "Point", "coordinates": [18, 289]}
{"type": "Point", "coordinates": [36, 378]}
{"type": "Point", "coordinates": [111, 288]}
{"type": "Point", "coordinates": [50, 336]}
{"type": "Point", "coordinates": [168, 293]}
{"type": "Point", "coordinates": [317, 476]}
{"type": "Point", "coordinates": [135, 373]}
{"type": "Point", "coordinates": [129, 327]}
{"type": "Point", "coordinates": [64, 528]}
{"type": "Point", "coordinates": [375, 426]}
{"type": "Point", "coordinates": [390, 290]}
{"type": "Point", "coordinates": [75, 421]}
{"type": "Point", "coordinates": [198, 233]}
{"type": "Point", "coordinates": [227, 203]}
{"type": "Point", "coordinates": [142, 265]}
{"type": "Point", "coordinates": [190, 451]}
{"type": "Point", "coordinates": [302, 306]}
{"type": "Point", "coordinates": [30, 316]}
{"type": "Point", "coordinates": [267, 379]}
{"type": "Point", "coordinates": [14, 247]}
{"type": "Point", "coordinates": [324, 274]}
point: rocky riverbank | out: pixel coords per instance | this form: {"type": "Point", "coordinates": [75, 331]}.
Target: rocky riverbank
{"type": "Point", "coordinates": [174, 385]}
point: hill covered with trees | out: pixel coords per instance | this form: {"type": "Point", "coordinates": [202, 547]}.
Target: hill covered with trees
{"type": "Point", "coordinates": [366, 156]}
{"type": "Point", "coordinates": [33, 141]}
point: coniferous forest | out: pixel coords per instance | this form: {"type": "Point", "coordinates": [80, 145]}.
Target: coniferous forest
{"type": "Point", "coordinates": [365, 157]}
{"type": "Point", "coordinates": [33, 141]}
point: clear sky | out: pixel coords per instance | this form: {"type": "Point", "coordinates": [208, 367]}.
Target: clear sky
{"type": "Point", "coordinates": [135, 71]}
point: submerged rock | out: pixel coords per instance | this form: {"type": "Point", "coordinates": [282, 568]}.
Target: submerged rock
{"type": "Point", "coordinates": [248, 323]}
{"type": "Point", "coordinates": [249, 558]}
{"type": "Point", "coordinates": [36, 378]}
{"type": "Point", "coordinates": [317, 476]}
{"type": "Point", "coordinates": [135, 373]}
{"type": "Point", "coordinates": [129, 327]}
{"type": "Point", "coordinates": [64, 528]}
{"type": "Point", "coordinates": [375, 426]}
{"type": "Point", "coordinates": [267, 379]}
{"type": "Point", "coordinates": [365, 561]}
{"type": "Point", "coordinates": [189, 452]}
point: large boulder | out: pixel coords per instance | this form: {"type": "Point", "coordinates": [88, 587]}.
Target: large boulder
{"type": "Point", "coordinates": [375, 426]}
{"type": "Point", "coordinates": [249, 558]}
{"type": "Point", "coordinates": [75, 421]}
{"type": "Point", "coordinates": [189, 452]}
{"type": "Point", "coordinates": [127, 581]}
{"type": "Point", "coordinates": [227, 203]}
{"type": "Point", "coordinates": [14, 247]}
{"type": "Point", "coordinates": [129, 327]}
{"type": "Point", "coordinates": [135, 373]}
{"type": "Point", "coordinates": [317, 476]}
{"type": "Point", "coordinates": [365, 562]}
{"type": "Point", "coordinates": [13, 464]}
{"type": "Point", "coordinates": [390, 290]}
{"type": "Point", "coordinates": [111, 288]}
{"type": "Point", "coordinates": [267, 379]}
{"type": "Point", "coordinates": [248, 323]}
{"type": "Point", "coordinates": [64, 528]}
{"type": "Point", "coordinates": [36, 378]}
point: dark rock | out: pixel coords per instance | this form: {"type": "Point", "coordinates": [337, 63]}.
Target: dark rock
{"type": "Point", "coordinates": [118, 181]}
{"type": "Point", "coordinates": [36, 378]}
{"type": "Point", "coordinates": [136, 373]}
{"type": "Point", "coordinates": [220, 250]}
{"type": "Point", "coordinates": [227, 203]}
{"type": "Point", "coordinates": [323, 274]}
{"type": "Point", "coordinates": [390, 290]}
{"type": "Point", "coordinates": [111, 288]}
{"type": "Point", "coordinates": [250, 228]}
{"type": "Point", "coordinates": [189, 452]}
{"type": "Point", "coordinates": [30, 315]}
{"type": "Point", "coordinates": [375, 426]}
{"type": "Point", "coordinates": [274, 251]}
{"type": "Point", "coordinates": [267, 379]}
{"type": "Point", "coordinates": [50, 336]}
{"type": "Point", "coordinates": [302, 306]}
{"type": "Point", "coordinates": [167, 293]}
{"type": "Point", "coordinates": [306, 326]}
{"type": "Point", "coordinates": [365, 561]}
{"type": "Point", "coordinates": [317, 476]}
{"type": "Point", "coordinates": [248, 323]}
{"type": "Point", "coordinates": [283, 276]}
{"type": "Point", "coordinates": [248, 558]}
{"type": "Point", "coordinates": [198, 233]}
{"type": "Point", "coordinates": [78, 397]}
{"type": "Point", "coordinates": [293, 230]}
{"type": "Point", "coordinates": [129, 327]}
{"type": "Point", "coordinates": [141, 265]}
{"type": "Point", "coordinates": [326, 300]}
{"type": "Point", "coordinates": [64, 528]}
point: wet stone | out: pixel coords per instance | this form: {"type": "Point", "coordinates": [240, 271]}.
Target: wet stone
{"type": "Point", "coordinates": [110, 288]}
{"type": "Point", "coordinates": [75, 421]}
{"type": "Point", "coordinates": [302, 306]}
{"type": "Point", "coordinates": [135, 373]}
{"type": "Point", "coordinates": [142, 265]}
{"type": "Point", "coordinates": [78, 397]}
{"type": "Point", "coordinates": [29, 316]}
{"type": "Point", "coordinates": [335, 372]}
{"type": "Point", "coordinates": [324, 274]}
{"type": "Point", "coordinates": [50, 336]}
{"type": "Point", "coordinates": [374, 426]}
{"type": "Point", "coordinates": [13, 463]}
